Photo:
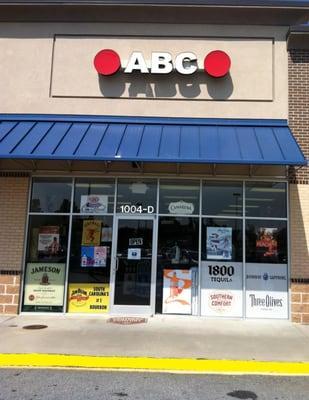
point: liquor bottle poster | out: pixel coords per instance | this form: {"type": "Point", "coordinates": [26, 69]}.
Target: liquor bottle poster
{"type": "Point", "coordinates": [91, 233]}
{"type": "Point", "coordinates": [88, 298]}
{"type": "Point", "coordinates": [177, 296]}
{"type": "Point", "coordinates": [266, 243]}
{"type": "Point", "coordinates": [93, 256]}
{"type": "Point", "coordinates": [44, 284]}
{"type": "Point", "coordinates": [48, 241]}
{"type": "Point", "coordinates": [219, 243]}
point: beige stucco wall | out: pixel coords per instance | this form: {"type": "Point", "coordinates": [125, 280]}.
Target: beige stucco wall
{"type": "Point", "coordinates": [40, 72]}
{"type": "Point", "coordinates": [299, 225]}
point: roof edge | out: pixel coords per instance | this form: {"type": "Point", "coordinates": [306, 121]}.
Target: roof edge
{"type": "Point", "coordinates": [143, 120]}
{"type": "Point", "coordinates": [258, 12]}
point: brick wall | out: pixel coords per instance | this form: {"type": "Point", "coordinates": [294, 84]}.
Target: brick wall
{"type": "Point", "coordinates": [13, 211]}
{"type": "Point", "coordinates": [299, 107]}
{"type": "Point", "coordinates": [9, 292]}
{"type": "Point", "coordinates": [299, 189]}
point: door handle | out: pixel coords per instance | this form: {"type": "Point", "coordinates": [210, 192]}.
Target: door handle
{"type": "Point", "coordinates": [117, 264]}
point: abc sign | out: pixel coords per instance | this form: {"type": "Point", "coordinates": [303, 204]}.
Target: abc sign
{"type": "Point", "coordinates": [216, 63]}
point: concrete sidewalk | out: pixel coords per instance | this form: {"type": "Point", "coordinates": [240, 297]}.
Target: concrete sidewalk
{"type": "Point", "coordinates": [160, 337]}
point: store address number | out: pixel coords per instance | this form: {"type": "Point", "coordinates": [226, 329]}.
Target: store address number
{"type": "Point", "coordinates": [132, 209]}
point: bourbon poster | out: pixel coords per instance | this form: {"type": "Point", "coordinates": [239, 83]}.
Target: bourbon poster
{"type": "Point", "coordinates": [177, 296]}
{"type": "Point", "coordinates": [91, 233]}
{"type": "Point", "coordinates": [88, 298]}
{"type": "Point", "coordinates": [44, 284]}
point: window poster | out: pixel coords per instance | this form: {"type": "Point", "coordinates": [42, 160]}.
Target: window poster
{"type": "Point", "coordinates": [44, 284]}
{"type": "Point", "coordinates": [181, 207]}
{"type": "Point", "coordinates": [266, 290]}
{"type": "Point", "coordinates": [266, 242]}
{"type": "Point", "coordinates": [88, 298]}
{"type": "Point", "coordinates": [94, 204]}
{"type": "Point", "coordinates": [177, 296]}
{"type": "Point", "coordinates": [107, 234]}
{"type": "Point", "coordinates": [134, 254]}
{"type": "Point", "coordinates": [221, 289]}
{"type": "Point", "coordinates": [91, 233]}
{"type": "Point", "coordinates": [219, 243]}
{"type": "Point", "coordinates": [93, 256]}
{"type": "Point", "coordinates": [49, 240]}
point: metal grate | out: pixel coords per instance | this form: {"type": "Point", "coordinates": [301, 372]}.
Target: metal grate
{"type": "Point", "coordinates": [34, 327]}
{"type": "Point", "coordinates": [127, 320]}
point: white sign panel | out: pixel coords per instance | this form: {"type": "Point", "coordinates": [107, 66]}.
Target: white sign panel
{"type": "Point", "coordinates": [181, 207]}
{"type": "Point", "coordinates": [134, 254]}
{"type": "Point", "coordinates": [94, 204]}
{"type": "Point", "coordinates": [267, 291]}
{"type": "Point", "coordinates": [177, 296]}
{"type": "Point", "coordinates": [221, 289]}
{"type": "Point", "coordinates": [136, 242]}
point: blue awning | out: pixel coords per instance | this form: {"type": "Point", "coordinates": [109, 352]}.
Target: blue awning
{"type": "Point", "coordinates": [176, 140]}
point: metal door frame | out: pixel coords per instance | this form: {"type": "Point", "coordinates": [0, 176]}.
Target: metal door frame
{"type": "Point", "coordinates": [127, 309]}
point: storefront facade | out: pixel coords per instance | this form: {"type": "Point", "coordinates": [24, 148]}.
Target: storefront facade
{"type": "Point", "coordinates": [145, 168]}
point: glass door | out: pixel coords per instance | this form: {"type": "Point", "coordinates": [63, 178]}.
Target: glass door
{"type": "Point", "coordinates": [133, 275]}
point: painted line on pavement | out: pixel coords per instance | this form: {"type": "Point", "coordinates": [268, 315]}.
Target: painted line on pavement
{"type": "Point", "coordinates": [154, 364]}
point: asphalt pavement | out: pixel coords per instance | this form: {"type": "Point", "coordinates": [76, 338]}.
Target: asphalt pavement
{"type": "Point", "coordinates": [93, 385]}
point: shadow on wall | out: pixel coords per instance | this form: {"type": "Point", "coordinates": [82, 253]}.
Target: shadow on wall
{"type": "Point", "coordinates": [299, 231]}
{"type": "Point", "coordinates": [196, 86]}
{"type": "Point", "coordinates": [298, 57]}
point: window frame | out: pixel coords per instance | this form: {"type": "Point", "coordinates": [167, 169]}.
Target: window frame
{"type": "Point", "coordinates": [156, 215]}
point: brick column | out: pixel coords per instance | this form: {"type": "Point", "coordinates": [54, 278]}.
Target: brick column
{"type": "Point", "coordinates": [13, 212]}
{"type": "Point", "coordinates": [299, 184]}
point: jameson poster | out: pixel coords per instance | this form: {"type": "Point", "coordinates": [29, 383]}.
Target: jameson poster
{"type": "Point", "coordinates": [44, 284]}
{"type": "Point", "coordinates": [219, 243]}
{"type": "Point", "coordinates": [266, 242]}
{"type": "Point", "coordinates": [88, 298]}
{"type": "Point", "coordinates": [93, 256]}
{"type": "Point", "coordinates": [93, 204]}
{"type": "Point", "coordinates": [48, 240]}
{"type": "Point", "coordinates": [91, 233]}
{"type": "Point", "coordinates": [177, 296]}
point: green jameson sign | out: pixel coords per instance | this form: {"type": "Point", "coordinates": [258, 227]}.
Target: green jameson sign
{"type": "Point", "coordinates": [44, 284]}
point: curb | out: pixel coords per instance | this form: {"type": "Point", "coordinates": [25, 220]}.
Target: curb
{"type": "Point", "coordinates": [184, 365]}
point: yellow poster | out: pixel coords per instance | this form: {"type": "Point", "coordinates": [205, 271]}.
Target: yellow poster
{"type": "Point", "coordinates": [88, 298]}
{"type": "Point", "coordinates": [91, 233]}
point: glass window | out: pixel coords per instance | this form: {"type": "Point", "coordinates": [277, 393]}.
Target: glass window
{"type": "Point", "coordinates": [94, 196]}
{"type": "Point", "coordinates": [89, 265]}
{"type": "Point", "coordinates": [266, 199]}
{"type": "Point", "coordinates": [51, 195]}
{"type": "Point", "coordinates": [178, 240]}
{"type": "Point", "coordinates": [266, 241]}
{"type": "Point", "coordinates": [46, 263]}
{"type": "Point", "coordinates": [222, 198]}
{"type": "Point", "coordinates": [90, 253]}
{"type": "Point", "coordinates": [222, 239]}
{"type": "Point", "coordinates": [47, 239]}
{"type": "Point", "coordinates": [179, 197]}
{"type": "Point", "coordinates": [136, 196]}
